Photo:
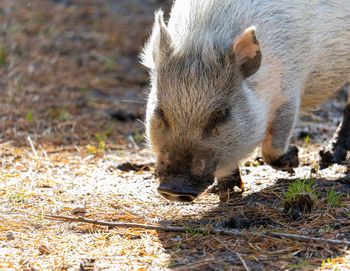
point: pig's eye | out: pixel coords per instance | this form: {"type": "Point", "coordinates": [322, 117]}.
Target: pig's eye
{"type": "Point", "coordinates": [218, 117]}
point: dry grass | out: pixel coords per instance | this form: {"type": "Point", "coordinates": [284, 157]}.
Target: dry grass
{"type": "Point", "coordinates": [64, 68]}
{"type": "Point", "coordinates": [59, 183]}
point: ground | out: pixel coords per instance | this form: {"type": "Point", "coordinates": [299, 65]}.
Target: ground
{"type": "Point", "coordinates": [72, 144]}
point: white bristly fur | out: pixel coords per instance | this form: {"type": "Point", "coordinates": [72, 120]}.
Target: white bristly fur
{"type": "Point", "coordinates": [305, 47]}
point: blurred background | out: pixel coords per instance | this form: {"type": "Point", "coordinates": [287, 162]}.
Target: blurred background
{"type": "Point", "coordinates": [70, 75]}
{"type": "Point", "coordinates": [70, 72]}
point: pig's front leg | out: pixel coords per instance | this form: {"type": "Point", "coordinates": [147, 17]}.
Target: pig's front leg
{"type": "Point", "coordinates": [225, 186]}
{"type": "Point", "coordinates": [275, 148]}
{"type": "Point", "coordinates": [228, 183]}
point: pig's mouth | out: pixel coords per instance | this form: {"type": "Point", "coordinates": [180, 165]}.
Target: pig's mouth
{"type": "Point", "coordinates": [183, 188]}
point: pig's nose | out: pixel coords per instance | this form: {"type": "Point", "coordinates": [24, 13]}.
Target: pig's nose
{"type": "Point", "coordinates": [177, 192]}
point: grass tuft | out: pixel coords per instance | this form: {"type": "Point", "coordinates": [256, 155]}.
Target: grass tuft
{"type": "Point", "coordinates": [333, 199]}
{"type": "Point", "coordinates": [300, 196]}
{"type": "Point", "coordinates": [298, 188]}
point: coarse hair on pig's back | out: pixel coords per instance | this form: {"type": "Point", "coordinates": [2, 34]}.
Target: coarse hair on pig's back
{"type": "Point", "coordinates": [189, 31]}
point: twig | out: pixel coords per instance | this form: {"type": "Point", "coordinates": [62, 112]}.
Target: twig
{"type": "Point", "coordinates": [236, 233]}
{"type": "Point", "coordinates": [243, 262]}
{"type": "Point", "coordinates": [33, 148]}
{"type": "Point", "coordinates": [307, 239]}
{"type": "Point", "coordinates": [139, 225]}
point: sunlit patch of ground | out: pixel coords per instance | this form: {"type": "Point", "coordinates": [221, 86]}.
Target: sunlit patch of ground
{"type": "Point", "coordinates": [77, 183]}
{"type": "Point", "coordinates": [71, 145]}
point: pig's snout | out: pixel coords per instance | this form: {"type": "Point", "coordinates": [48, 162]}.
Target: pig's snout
{"type": "Point", "coordinates": [176, 188]}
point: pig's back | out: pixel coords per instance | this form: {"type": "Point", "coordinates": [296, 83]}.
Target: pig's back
{"type": "Point", "coordinates": [307, 43]}
{"type": "Point", "coordinates": [332, 65]}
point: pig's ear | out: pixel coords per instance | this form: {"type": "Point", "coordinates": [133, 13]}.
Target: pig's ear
{"type": "Point", "coordinates": [159, 45]}
{"type": "Point", "coordinates": [247, 53]}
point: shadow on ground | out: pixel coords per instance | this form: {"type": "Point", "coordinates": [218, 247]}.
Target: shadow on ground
{"type": "Point", "coordinates": [256, 213]}
{"type": "Point", "coordinates": [70, 70]}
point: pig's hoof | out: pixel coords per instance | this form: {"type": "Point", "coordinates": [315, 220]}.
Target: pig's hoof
{"type": "Point", "coordinates": [337, 150]}
{"type": "Point", "coordinates": [287, 161]}
{"type": "Point", "coordinates": [229, 187]}
{"type": "Point", "coordinates": [336, 153]}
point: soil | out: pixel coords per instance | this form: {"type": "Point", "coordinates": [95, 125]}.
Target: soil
{"type": "Point", "coordinates": [72, 105]}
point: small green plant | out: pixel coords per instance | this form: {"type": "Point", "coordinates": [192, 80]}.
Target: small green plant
{"type": "Point", "coordinates": [306, 141]}
{"type": "Point", "coordinates": [329, 263]}
{"type": "Point", "coordinates": [139, 137]}
{"type": "Point", "coordinates": [110, 64]}
{"type": "Point", "coordinates": [109, 131]}
{"type": "Point", "coordinates": [61, 114]}
{"type": "Point", "coordinates": [64, 115]}
{"type": "Point", "coordinates": [91, 149]}
{"type": "Point", "coordinates": [299, 187]}
{"type": "Point", "coordinates": [195, 231]}
{"type": "Point", "coordinates": [101, 142]}
{"type": "Point", "coordinates": [198, 231]}
{"type": "Point", "coordinates": [30, 116]}
{"type": "Point", "coordinates": [83, 91]}
{"type": "Point", "coordinates": [177, 246]}
{"type": "Point", "coordinates": [17, 196]}
{"type": "Point", "coordinates": [3, 55]}
{"type": "Point", "coordinates": [300, 196]}
{"type": "Point", "coordinates": [101, 146]}
{"type": "Point", "coordinates": [329, 228]}
{"type": "Point", "coordinates": [333, 199]}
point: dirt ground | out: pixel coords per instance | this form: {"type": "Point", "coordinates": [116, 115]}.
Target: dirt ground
{"type": "Point", "coordinates": [72, 144]}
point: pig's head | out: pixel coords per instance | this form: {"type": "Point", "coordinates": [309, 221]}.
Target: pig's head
{"type": "Point", "coordinates": [201, 119]}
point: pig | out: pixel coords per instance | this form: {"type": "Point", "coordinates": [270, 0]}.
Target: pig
{"type": "Point", "coordinates": [230, 75]}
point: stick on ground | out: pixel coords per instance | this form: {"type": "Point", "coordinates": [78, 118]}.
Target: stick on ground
{"type": "Point", "coordinates": [236, 233]}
